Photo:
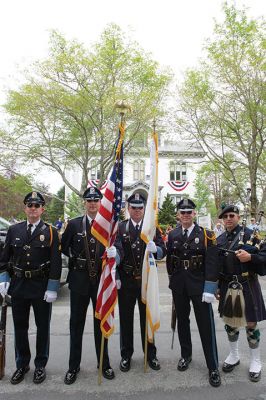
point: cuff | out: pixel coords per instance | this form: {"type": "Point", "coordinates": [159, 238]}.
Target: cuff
{"type": "Point", "coordinates": [4, 277]}
{"type": "Point", "coordinates": [210, 287]}
{"type": "Point", "coordinates": [53, 285]}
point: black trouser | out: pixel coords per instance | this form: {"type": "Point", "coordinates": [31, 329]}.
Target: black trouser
{"type": "Point", "coordinates": [205, 321]}
{"type": "Point", "coordinates": [127, 298]}
{"type": "Point", "coordinates": [21, 313]}
{"type": "Point", "coordinates": [78, 311]}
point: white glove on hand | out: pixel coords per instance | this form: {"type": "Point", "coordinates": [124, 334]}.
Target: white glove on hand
{"type": "Point", "coordinates": [208, 297]}
{"type": "Point", "coordinates": [111, 252]}
{"type": "Point", "coordinates": [151, 247]}
{"type": "Point", "coordinates": [4, 286]}
{"type": "Point", "coordinates": [50, 296]}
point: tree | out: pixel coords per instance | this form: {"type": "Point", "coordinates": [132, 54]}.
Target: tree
{"type": "Point", "coordinates": [167, 213]}
{"type": "Point", "coordinates": [223, 102]}
{"type": "Point", "coordinates": [55, 209]}
{"type": "Point", "coordinates": [13, 189]}
{"type": "Point", "coordinates": [63, 116]}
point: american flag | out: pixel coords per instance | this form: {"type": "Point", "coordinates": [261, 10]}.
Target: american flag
{"type": "Point", "coordinates": [104, 229]}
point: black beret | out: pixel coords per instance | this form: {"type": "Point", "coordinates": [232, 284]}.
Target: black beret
{"type": "Point", "coordinates": [92, 193]}
{"type": "Point", "coordinates": [229, 208]}
{"type": "Point", "coordinates": [136, 200]}
{"type": "Point", "coordinates": [34, 197]}
{"type": "Point", "coordinates": [186, 205]}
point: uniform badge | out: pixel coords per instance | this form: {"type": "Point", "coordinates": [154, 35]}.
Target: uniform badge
{"type": "Point", "coordinates": [42, 237]}
{"type": "Point", "coordinates": [34, 195]}
{"type": "Point", "coordinates": [92, 240]}
{"type": "Point", "coordinates": [197, 240]}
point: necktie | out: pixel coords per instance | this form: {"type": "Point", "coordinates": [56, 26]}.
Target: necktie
{"type": "Point", "coordinates": [29, 231]}
{"type": "Point", "coordinates": [137, 228]}
{"type": "Point", "coordinates": [92, 222]}
{"type": "Point", "coordinates": [185, 236]}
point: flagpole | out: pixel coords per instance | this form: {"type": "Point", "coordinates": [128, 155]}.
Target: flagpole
{"type": "Point", "coordinates": [122, 107]}
{"type": "Point", "coordinates": [146, 322]}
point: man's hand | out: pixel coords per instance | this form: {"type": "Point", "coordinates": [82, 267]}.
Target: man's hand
{"type": "Point", "coordinates": [151, 247]}
{"type": "Point", "coordinates": [4, 286]}
{"type": "Point", "coordinates": [243, 256]}
{"type": "Point", "coordinates": [50, 296]}
{"type": "Point", "coordinates": [111, 252]}
{"type": "Point", "coordinates": [208, 297]}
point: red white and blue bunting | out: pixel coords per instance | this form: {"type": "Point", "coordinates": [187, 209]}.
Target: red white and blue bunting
{"type": "Point", "coordinates": [94, 183]}
{"type": "Point", "coordinates": [178, 185]}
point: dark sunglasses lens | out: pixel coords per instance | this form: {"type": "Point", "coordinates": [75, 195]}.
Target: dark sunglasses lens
{"type": "Point", "coordinates": [185, 212]}
{"type": "Point", "coordinates": [137, 208]}
{"type": "Point", "coordinates": [228, 216]}
{"type": "Point", "coordinates": [30, 205]}
{"type": "Point", "coordinates": [92, 200]}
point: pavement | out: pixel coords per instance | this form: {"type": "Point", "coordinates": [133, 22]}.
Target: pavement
{"type": "Point", "coordinates": [168, 383]}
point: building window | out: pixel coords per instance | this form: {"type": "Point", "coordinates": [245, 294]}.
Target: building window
{"type": "Point", "coordinates": [176, 198]}
{"type": "Point", "coordinates": [139, 170]}
{"type": "Point", "coordinates": [95, 169]}
{"type": "Point", "coordinates": [178, 171]}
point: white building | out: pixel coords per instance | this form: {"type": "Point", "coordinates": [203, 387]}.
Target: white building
{"type": "Point", "coordinates": [178, 163]}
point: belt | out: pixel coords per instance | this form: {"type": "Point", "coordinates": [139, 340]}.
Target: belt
{"type": "Point", "coordinates": [194, 263]}
{"type": "Point", "coordinates": [32, 273]}
{"type": "Point", "coordinates": [133, 271]}
{"type": "Point", "coordinates": [245, 276]}
{"type": "Point", "coordinates": [80, 264]}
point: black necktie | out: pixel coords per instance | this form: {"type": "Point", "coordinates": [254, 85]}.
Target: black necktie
{"type": "Point", "coordinates": [185, 236]}
{"type": "Point", "coordinates": [137, 228]}
{"type": "Point", "coordinates": [29, 231]}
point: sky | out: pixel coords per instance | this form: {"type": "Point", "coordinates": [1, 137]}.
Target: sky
{"type": "Point", "coordinates": [173, 31]}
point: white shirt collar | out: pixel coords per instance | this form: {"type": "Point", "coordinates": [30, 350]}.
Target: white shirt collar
{"type": "Point", "coordinates": [189, 230]}
{"type": "Point", "coordinates": [136, 223]}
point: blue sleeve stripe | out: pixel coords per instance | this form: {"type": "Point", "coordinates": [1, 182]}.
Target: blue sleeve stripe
{"type": "Point", "coordinates": [53, 285]}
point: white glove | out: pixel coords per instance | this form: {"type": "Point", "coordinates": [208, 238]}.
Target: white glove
{"type": "Point", "coordinates": [151, 247]}
{"type": "Point", "coordinates": [208, 297]}
{"type": "Point", "coordinates": [4, 286]}
{"type": "Point", "coordinates": [111, 252]}
{"type": "Point", "coordinates": [50, 296]}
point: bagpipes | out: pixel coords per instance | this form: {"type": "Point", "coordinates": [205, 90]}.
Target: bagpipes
{"type": "Point", "coordinates": [234, 303]}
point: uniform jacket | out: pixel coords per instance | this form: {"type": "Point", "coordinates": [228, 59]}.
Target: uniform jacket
{"type": "Point", "coordinates": [192, 280]}
{"type": "Point", "coordinates": [31, 254]}
{"type": "Point", "coordinates": [230, 264]}
{"type": "Point", "coordinates": [73, 246]}
{"type": "Point", "coordinates": [131, 249]}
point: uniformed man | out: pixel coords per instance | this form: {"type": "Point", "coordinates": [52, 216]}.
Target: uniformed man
{"type": "Point", "coordinates": [191, 263]}
{"type": "Point", "coordinates": [131, 249]}
{"type": "Point", "coordinates": [85, 264]}
{"type": "Point", "coordinates": [240, 266]}
{"type": "Point", "coordinates": [30, 273]}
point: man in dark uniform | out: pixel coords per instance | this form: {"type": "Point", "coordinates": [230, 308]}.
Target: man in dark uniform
{"type": "Point", "coordinates": [191, 263]}
{"type": "Point", "coordinates": [85, 264]}
{"type": "Point", "coordinates": [131, 249]}
{"type": "Point", "coordinates": [240, 265]}
{"type": "Point", "coordinates": [30, 273]}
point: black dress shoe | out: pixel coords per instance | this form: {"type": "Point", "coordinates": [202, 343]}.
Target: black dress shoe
{"type": "Point", "coordinates": [39, 375]}
{"type": "Point", "coordinates": [254, 376]}
{"type": "Point", "coordinates": [18, 375]}
{"type": "Point", "coordinates": [183, 363]}
{"type": "Point", "coordinates": [71, 376]}
{"type": "Point", "coordinates": [108, 373]}
{"type": "Point", "coordinates": [154, 363]}
{"type": "Point", "coordinates": [125, 364]}
{"type": "Point", "coordinates": [214, 377]}
{"type": "Point", "coordinates": [229, 367]}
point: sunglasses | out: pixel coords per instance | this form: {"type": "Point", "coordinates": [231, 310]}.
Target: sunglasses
{"type": "Point", "coordinates": [185, 212]}
{"type": "Point", "coordinates": [228, 216]}
{"type": "Point", "coordinates": [92, 200]}
{"type": "Point", "coordinates": [35, 205]}
{"type": "Point", "coordinates": [137, 208]}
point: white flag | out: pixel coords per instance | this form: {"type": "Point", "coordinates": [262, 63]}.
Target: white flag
{"type": "Point", "coordinates": [150, 285]}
